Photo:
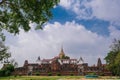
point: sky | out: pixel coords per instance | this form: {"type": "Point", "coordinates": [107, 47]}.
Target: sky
{"type": "Point", "coordinates": [85, 28]}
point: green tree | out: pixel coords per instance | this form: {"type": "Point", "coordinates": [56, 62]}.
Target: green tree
{"type": "Point", "coordinates": [8, 67]}
{"type": "Point", "coordinates": [6, 70]}
{"type": "Point", "coordinates": [2, 73]}
{"type": "Point", "coordinates": [117, 64]}
{"type": "Point", "coordinates": [18, 14]}
{"type": "Point", "coordinates": [4, 54]}
{"type": "Point", "coordinates": [113, 58]}
{"type": "Point", "coordinates": [65, 57]}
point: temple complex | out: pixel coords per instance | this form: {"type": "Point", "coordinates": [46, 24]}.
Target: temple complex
{"type": "Point", "coordinates": [61, 65]}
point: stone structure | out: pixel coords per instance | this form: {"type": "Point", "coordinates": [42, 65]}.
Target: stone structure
{"type": "Point", "coordinates": [61, 65]}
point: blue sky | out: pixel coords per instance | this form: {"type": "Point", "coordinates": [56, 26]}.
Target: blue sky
{"type": "Point", "coordinates": [62, 15]}
{"type": "Point", "coordinates": [85, 28]}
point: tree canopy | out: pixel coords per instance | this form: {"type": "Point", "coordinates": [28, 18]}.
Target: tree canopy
{"type": "Point", "coordinates": [18, 14]}
{"type": "Point", "coordinates": [6, 70]}
{"type": "Point", "coordinates": [113, 58]}
{"type": "Point", "coordinates": [8, 65]}
{"type": "Point", "coordinates": [4, 54]}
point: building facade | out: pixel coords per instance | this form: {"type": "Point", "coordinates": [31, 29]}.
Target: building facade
{"type": "Point", "coordinates": [61, 65]}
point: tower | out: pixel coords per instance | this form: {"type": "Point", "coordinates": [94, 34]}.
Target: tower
{"type": "Point", "coordinates": [38, 60]}
{"type": "Point", "coordinates": [99, 63]}
{"type": "Point", "coordinates": [26, 63]}
{"type": "Point", "coordinates": [61, 54]}
{"type": "Point", "coordinates": [80, 61]}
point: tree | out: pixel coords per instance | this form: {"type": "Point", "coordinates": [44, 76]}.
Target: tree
{"type": "Point", "coordinates": [14, 63]}
{"type": "Point", "coordinates": [4, 54]}
{"type": "Point", "coordinates": [18, 14]}
{"type": "Point", "coordinates": [6, 70]}
{"type": "Point", "coordinates": [117, 64]}
{"type": "Point", "coordinates": [113, 58]}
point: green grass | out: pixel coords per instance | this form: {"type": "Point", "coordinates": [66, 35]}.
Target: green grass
{"type": "Point", "coordinates": [40, 77]}
{"type": "Point", "coordinates": [53, 78]}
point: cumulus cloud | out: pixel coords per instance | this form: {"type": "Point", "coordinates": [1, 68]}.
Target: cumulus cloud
{"type": "Point", "coordinates": [80, 7]}
{"type": "Point", "coordinates": [76, 39]}
{"type": "Point", "coordinates": [106, 9]}
{"type": "Point", "coordinates": [114, 32]}
{"type": "Point", "coordinates": [102, 9]}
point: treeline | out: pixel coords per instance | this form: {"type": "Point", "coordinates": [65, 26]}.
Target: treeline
{"type": "Point", "coordinates": [8, 64]}
{"type": "Point", "coordinates": [113, 58]}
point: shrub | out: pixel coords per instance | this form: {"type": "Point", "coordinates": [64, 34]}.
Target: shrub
{"type": "Point", "coordinates": [15, 75]}
{"type": "Point", "coordinates": [92, 73]}
{"type": "Point", "coordinates": [29, 73]}
{"type": "Point", "coordinates": [2, 73]}
{"type": "Point", "coordinates": [58, 74]}
{"type": "Point", "coordinates": [7, 70]}
{"type": "Point", "coordinates": [101, 74]}
{"type": "Point", "coordinates": [71, 74]}
{"type": "Point", "coordinates": [37, 73]}
{"type": "Point", "coordinates": [7, 73]}
{"type": "Point", "coordinates": [20, 75]}
{"type": "Point", "coordinates": [49, 74]}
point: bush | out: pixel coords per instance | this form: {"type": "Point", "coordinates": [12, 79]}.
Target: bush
{"type": "Point", "coordinates": [93, 73]}
{"type": "Point", "coordinates": [49, 74]}
{"type": "Point", "coordinates": [58, 74]}
{"type": "Point", "coordinates": [71, 74]}
{"type": "Point", "coordinates": [20, 75]}
{"type": "Point", "coordinates": [15, 75]}
{"type": "Point", "coordinates": [7, 70]}
{"type": "Point", "coordinates": [101, 74]}
{"type": "Point", "coordinates": [7, 73]}
{"type": "Point", "coordinates": [29, 73]}
{"type": "Point", "coordinates": [37, 73]}
{"type": "Point", "coordinates": [2, 73]}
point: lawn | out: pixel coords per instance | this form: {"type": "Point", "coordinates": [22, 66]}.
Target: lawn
{"type": "Point", "coordinates": [41, 77]}
{"type": "Point", "coordinates": [55, 78]}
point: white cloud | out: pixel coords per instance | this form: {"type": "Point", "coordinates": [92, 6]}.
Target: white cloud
{"type": "Point", "coordinates": [102, 9]}
{"type": "Point", "coordinates": [114, 32]}
{"type": "Point", "coordinates": [80, 7]}
{"type": "Point", "coordinates": [106, 9]}
{"type": "Point", "coordinates": [66, 3]}
{"type": "Point", "coordinates": [76, 39]}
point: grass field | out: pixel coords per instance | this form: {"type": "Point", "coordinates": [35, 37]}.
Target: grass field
{"type": "Point", "coordinates": [55, 78]}
{"type": "Point", "coordinates": [40, 77]}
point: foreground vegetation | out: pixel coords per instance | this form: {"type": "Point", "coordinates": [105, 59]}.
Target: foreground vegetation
{"type": "Point", "coordinates": [40, 77]}
{"type": "Point", "coordinates": [113, 58]}
{"type": "Point", "coordinates": [52, 78]}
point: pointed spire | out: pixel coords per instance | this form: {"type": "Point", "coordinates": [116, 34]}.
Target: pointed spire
{"type": "Point", "coordinates": [61, 54]}
{"type": "Point", "coordinates": [62, 51]}
{"type": "Point", "coordinates": [38, 58]}
{"type": "Point", "coordinates": [80, 60]}
{"type": "Point", "coordinates": [99, 63]}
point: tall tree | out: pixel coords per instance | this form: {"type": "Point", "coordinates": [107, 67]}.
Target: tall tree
{"type": "Point", "coordinates": [113, 58]}
{"type": "Point", "coordinates": [117, 64]}
{"type": "Point", "coordinates": [18, 14]}
{"type": "Point", "coordinates": [4, 54]}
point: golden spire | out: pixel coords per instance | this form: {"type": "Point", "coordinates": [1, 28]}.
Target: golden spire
{"type": "Point", "coordinates": [61, 54]}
